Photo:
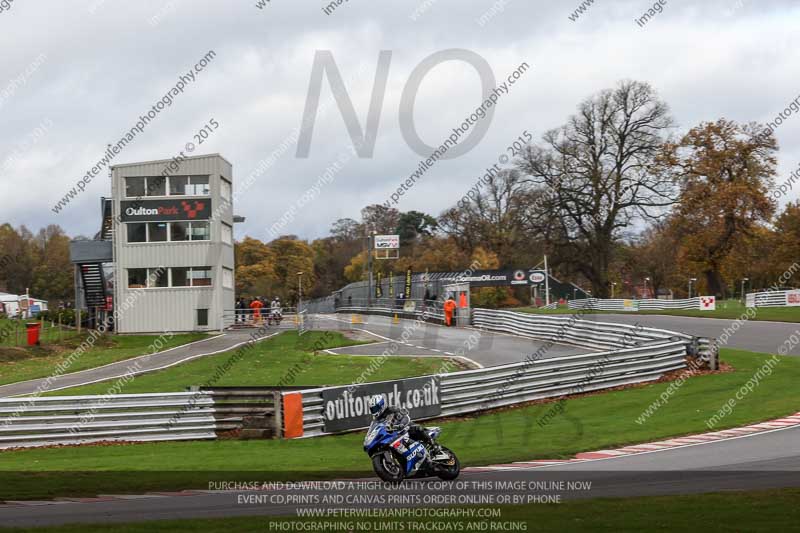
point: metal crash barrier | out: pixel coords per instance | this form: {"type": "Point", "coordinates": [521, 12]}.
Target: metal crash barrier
{"type": "Point", "coordinates": [626, 354]}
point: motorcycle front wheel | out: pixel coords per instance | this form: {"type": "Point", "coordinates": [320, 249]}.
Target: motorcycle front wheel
{"type": "Point", "coordinates": [387, 467]}
{"type": "Point", "coordinates": [448, 470]}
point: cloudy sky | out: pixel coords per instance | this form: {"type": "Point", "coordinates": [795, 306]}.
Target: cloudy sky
{"type": "Point", "coordinates": [76, 75]}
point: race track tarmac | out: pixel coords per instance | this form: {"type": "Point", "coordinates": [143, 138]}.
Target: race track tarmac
{"type": "Point", "coordinates": [146, 363]}
{"type": "Point", "coordinates": [760, 461]}
{"type": "Point", "coordinates": [407, 337]}
{"type": "Point", "coordinates": [756, 336]}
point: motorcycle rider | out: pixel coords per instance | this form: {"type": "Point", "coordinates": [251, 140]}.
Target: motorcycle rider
{"type": "Point", "coordinates": [275, 308]}
{"type": "Point", "coordinates": [398, 418]}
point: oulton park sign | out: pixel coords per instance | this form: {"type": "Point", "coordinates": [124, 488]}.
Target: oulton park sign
{"type": "Point", "coordinates": [160, 210]}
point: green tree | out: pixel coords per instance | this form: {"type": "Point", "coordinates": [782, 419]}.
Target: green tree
{"type": "Point", "coordinates": [53, 273]}
{"type": "Point", "coordinates": [16, 259]}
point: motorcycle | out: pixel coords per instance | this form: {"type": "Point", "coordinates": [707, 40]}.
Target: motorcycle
{"type": "Point", "coordinates": [275, 316]}
{"type": "Point", "coordinates": [395, 456]}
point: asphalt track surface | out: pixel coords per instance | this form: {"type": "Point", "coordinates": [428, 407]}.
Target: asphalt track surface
{"type": "Point", "coordinates": [765, 460]}
{"type": "Point", "coordinates": [405, 338]}
{"type": "Point", "coordinates": [760, 461]}
{"type": "Point", "coordinates": [147, 363]}
{"type": "Point", "coordinates": [411, 338]}
{"type": "Point", "coordinates": [753, 335]}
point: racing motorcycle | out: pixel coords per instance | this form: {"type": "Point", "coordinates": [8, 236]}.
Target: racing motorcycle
{"type": "Point", "coordinates": [395, 456]}
{"type": "Point", "coordinates": [275, 316]}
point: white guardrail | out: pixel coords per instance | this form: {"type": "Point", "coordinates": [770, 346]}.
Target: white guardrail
{"type": "Point", "coordinates": [627, 354]}
{"type": "Point", "coordinates": [431, 313]}
{"type": "Point", "coordinates": [703, 303]}
{"type": "Point", "coordinates": [48, 420]}
{"type": "Point", "coordinates": [789, 298]}
{"type": "Point", "coordinates": [630, 355]}
{"type": "Point", "coordinates": [58, 420]}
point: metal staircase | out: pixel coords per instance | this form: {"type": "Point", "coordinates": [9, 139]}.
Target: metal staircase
{"type": "Point", "coordinates": [94, 284]}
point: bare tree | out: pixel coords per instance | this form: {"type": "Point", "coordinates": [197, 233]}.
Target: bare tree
{"type": "Point", "coordinates": [601, 172]}
{"type": "Point", "coordinates": [497, 217]}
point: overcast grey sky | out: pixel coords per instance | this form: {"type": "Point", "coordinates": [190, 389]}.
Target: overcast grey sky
{"type": "Point", "coordinates": [76, 74]}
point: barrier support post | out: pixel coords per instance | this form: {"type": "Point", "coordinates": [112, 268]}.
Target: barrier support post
{"type": "Point", "coordinates": [713, 357]}
{"type": "Point", "coordinates": [277, 419]}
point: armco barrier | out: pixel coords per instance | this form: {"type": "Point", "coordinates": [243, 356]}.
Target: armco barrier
{"type": "Point", "coordinates": [630, 354]}
{"type": "Point", "coordinates": [429, 314]}
{"type": "Point", "coordinates": [200, 414]}
{"type": "Point", "coordinates": [773, 299]}
{"type": "Point", "coordinates": [598, 304]}
{"type": "Point", "coordinates": [48, 420]}
{"type": "Point", "coordinates": [627, 355]}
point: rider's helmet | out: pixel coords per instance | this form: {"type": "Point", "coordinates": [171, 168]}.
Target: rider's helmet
{"type": "Point", "coordinates": [377, 405]}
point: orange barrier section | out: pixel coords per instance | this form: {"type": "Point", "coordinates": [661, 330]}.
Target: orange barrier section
{"type": "Point", "coordinates": [293, 415]}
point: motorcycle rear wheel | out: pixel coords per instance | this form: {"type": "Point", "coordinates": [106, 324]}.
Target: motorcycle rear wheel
{"type": "Point", "coordinates": [387, 467]}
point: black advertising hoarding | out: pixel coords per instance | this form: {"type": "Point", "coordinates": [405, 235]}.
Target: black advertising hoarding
{"type": "Point", "coordinates": [407, 292]}
{"type": "Point", "coordinates": [494, 278]}
{"type": "Point", "coordinates": [167, 209]}
{"type": "Point", "coordinates": [345, 408]}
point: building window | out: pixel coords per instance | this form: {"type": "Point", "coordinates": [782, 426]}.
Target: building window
{"type": "Point", "coordinates": [137, 232]}
{"type": "Point", "coordinates": [200, 231]}
{"type": "Point", "coordinates": [137, 278]}
{"type": "Point", "coordinates": [227, 234]}
{"type": "Point", "coordinates": [179, 231]}
{"type": "Point", "coordinates": [177, 185]}
{"type": "Point", "coordinates": [157, 232]}
{"type": "Point", "coordinates": [162, 278]}
{"type": "Point", "coordinates": [200, 276]}
{"type": "Point", "coordinates": [198, 186]}
{"type": "Point", "coordinates": [226, 189]}
{"type": "Point", "coordinates": [202, 317]}
{"type": "Point", "coordinates": [227, 278]}
{"type": "Point", "coordinates": [158, 277]}
{"type": "Point", "coordinates": [180, 277]}
{"type": "Point", "coordinates": [135, 187]}
{"type": "Point", "coordinates": [157, 186]}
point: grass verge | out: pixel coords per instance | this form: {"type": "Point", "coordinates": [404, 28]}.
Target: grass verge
{"type": "Point", "coordinates": [752, 511]}
{"type": "Point", "coordinates": [585, 423]}
{"type": "Point", "coordinates": [728, 309]}
{"type": "Point", "coordinates": [13, 332]}
{"type": "Point", "coordinates": [288, 359]}
{"type": "Point", "coordinates": [21, 364]}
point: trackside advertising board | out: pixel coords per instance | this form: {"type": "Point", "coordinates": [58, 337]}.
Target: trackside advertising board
{"type": "Point", "coordinates": [494, 278]}
{"type": "Point", "coordinates": [793, 298]}
{"type": "Point", "coordinates": [345, 408]}
{"type": "Point", "coordinates": [387, 242]}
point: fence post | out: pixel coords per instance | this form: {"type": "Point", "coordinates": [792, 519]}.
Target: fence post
{"type": "Point", "coordinates": [277, 419]}
{"type": "Point", "coordinates": [693, 349]}
{"type": "Point", "coordinates": [713, 356]}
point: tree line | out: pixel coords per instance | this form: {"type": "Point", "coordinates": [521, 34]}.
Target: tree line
{"type": "Point", "coordinates": [613, 196]}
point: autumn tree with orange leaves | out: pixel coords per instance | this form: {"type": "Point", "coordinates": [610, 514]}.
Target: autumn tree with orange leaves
{"type": "Point", "coordinates": [725, 171]}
